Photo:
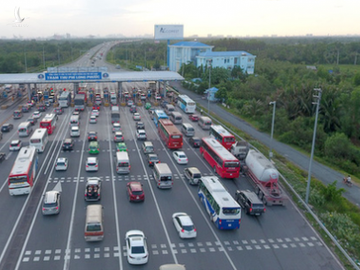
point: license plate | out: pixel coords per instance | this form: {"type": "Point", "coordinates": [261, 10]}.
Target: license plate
{"type": "Point", "coordinates": [21, 183]}
{"type": "Point", "coordinates": [137, 197]}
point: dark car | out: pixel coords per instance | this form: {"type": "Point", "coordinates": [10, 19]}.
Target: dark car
{"type": "Point", "coordinates": [195, 142]}
{"type": "Point", "coordinates": [58, 110]}
{"type": "Point", "coordinates": [42, 108]}
{"type": "Point", "coordinates": [2, 156]}
{"type": "Point", "coordinates": [25, 108]}
{"type": "Point", "coordinates": [7, 127]}
{"type": "Point", "coordinates": [92, 136]}
{"type": "Point", "coordinates": [139, 125]}
{"type": "Point", "coordinates": [152, 159]}
{"type": "Point", "coordinates": [250, 202]}
{"type": "Point", "coordinates": [133, 109]}
{"type": "Point", "coordinates": [164, 103]}
{"type": "Point", "coordinates": [68, 144]}
{"type": "Point", "coordinates": [32, 120]}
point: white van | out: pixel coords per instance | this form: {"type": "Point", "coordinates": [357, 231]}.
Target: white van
{"type": "Point", "coordinates": [24, 129]}
{"type": "Point", "coordinates": [176, 118]}
{"type": "Point", "coordinates": [188, 130]}
{"type": "Point", "coordinates": [74, 120]}
{"type": "Point", "coordinates": [205, 122]}
{"type": "Point", "coordinates": [169, 108]}
{"type": "Point", "coordinates": [94, 227]}
{"type": "Point", "coordinates": [122, 163]}
{"type": "Point", "coordinates": [163, 175]}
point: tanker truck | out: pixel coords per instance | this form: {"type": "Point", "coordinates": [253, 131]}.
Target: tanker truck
{"type": "Point", "coordinates": [264, 178]}
{"type": "Point", "coordinates": [240, 150]}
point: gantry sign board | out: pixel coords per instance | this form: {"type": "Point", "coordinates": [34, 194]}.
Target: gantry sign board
{"type": "Point", "coordinates": [65, 76]}
{"type": "Point", "coordinates": [169, 31]}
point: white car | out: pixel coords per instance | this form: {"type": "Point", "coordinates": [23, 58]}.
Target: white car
{"type": "Point", "coordinates": [15, 145]}
{"type": "Point", "coordinates": [37, 114]}
{"type": "Point", "coordinates": [141, 134]}
{"type": "Point", "coordinates": [184, 225]}
{"type": "Point", "coordinates": [180, 157]}
{"type": "Point", "coordinates": [116, 127]}
{"type": "Point", "coordinates": [130, 103]}
{"type": "Point", "coordinates": [75, 131]}
{"type": "Point", "coordinates": [61, 164]}
{"type": "Point", "coordinates": [136, 247]}
{"type": "Point", "coordinates": [95, 112]}
{"type": "Point", "coordinates": [93, 119]}
{"type": "Point", "coordinates": [92, 164]}
{"type": "Point", "coordinates": [136, 116]}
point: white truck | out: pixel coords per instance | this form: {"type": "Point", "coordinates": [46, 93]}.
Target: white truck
{"type": "Point", "coordinates": [113, 99]}
{"type": "Point", "coordinates": [240, 151]}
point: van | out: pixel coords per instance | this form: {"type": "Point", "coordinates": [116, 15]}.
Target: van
{"type": "Point", "coordinates": [94, 227]}
{"type": "Point", "coordinates": [74, 120]}
{"type": "Point", "coordinates": [163, 175]}
{"type": "Point", "coordinates": [24, 129]}
{"type": "Point", "coordinates": [122, 163]}
{"type": "Point", "coordinates": [193, 175]}
{"type": "Point", "coordinates": [188, 130]}
{"type": "Point", "coordinates": [169, 109]}
{"type": "Point", "coordinates": [147, 147]}
{"type": "Point", "coordinates": [205, 122]}
{"type": "Point", "coordinates": [176, 117]}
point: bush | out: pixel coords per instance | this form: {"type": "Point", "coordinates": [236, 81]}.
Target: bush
{"type": "Point", "coordinates": [332, 193]}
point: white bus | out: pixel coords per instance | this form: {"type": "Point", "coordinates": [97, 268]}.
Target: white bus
{"type": "Point", "coordinates": [64, 99]}
{"type": "Point", "coordinates": [39, 139]}
{"type": "Point", "coordinates": [163, 175]}
{"type": "Point", "coordinates": [224, 211]}
{"type": "Point", "coordinates": [186, 104]}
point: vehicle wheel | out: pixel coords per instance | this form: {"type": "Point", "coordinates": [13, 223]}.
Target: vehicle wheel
{"type": "Point", "coordinates": [214, 169]}
{"type": "Point", "coordinates": [264, 201]}
{"type": "Point", "coordinates": [246, 211]}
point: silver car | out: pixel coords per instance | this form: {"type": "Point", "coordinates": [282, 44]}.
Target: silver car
{"type": "Point", "coordinates": [51, 204]}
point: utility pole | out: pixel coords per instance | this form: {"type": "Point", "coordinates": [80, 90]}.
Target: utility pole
{"type": "Point", "coordinates": [208, 94]}
{"type": "Point", "coordinates": [317, 102]}
{"type": "Point", "coordinates": [44, 58]}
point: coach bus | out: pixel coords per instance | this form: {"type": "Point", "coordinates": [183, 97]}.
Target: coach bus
{"type": "Point", "coordinates": [222, 136]}
{"type": "Point", "coordinates": [22, 175]}
{"type": "Point", "coordinates": [49, 122]}
{"type": "Point", "coordinates": [64, 99]}
{"type": "Point", "coordinates": [39, 139]}
{"type": "Point", "coordinates": [224, 211]}
{"type": "Point", "coordinates": [159, 114]}
{"type": "Point", "coordinates": [170, 134]}
{"type": "Point", "coordinates": [220, 159]}
{"type": "Point", "coordinates": [186, 104]}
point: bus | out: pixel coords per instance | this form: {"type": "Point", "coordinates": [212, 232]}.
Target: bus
{"type": "Point", "coordinates": [49, 122]}
{"type": "Point", "coordinates": [64, 99]}
{"type": "Point", "coordinates": [170, 134]}
{"type": "Point", "coordinates": [220, 159]}
{"type": "Point", "coordinates": [22, 175]}
{"type": "Point", "coordinates": [222, 136]}
{"type": "Point", "coordinates": [224, 211]}
{"type": "Point", "coordinates": [186, 104]}
{"type": "Point", "coordinates": [79, 102]}
{"type": "Point", "coordinates": [39, 139]}
{"type": "Point", "coordinates": [159, 114]}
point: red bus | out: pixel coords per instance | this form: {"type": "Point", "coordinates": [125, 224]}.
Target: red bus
{"type": "Point", "coordinates": [222, 136]}
{"type": "Point", "coordinates": [170, 134]}
{"type": "Point", "coordinates": [49, 122]}
{"type": "Point", "coordinates": [220, 159]}
{"type": "Point", "coordinates": [22, 175]}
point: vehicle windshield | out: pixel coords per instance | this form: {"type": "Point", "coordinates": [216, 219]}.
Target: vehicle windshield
{"type": "Point", "coordinates": [137, 250]}
{"type": "Point", "coordinates": [95, 227]}
{"type": "Point", "coordinates": [18, 179]}
{"type": "Point", "coordinates": [231, 211]}
{"type": "Point", "coordinates": [188, 228]}
{"type": "Point", "coordinates": [35, 140]}
{"type": "Point", "coordinates": [231, 164]}
{"type": "Point", "coordinates": [123, 164]}
{"type": "Point", "coordinates": [165, 178]}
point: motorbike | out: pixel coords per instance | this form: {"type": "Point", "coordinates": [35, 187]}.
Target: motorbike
{"type": "Point", "coordinates": [346, 182]}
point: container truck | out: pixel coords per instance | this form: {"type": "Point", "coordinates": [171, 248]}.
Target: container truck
{"type": "Point", "coordinates": [79, 102]}
{"type": "Point", "coordinates": [264, 178]}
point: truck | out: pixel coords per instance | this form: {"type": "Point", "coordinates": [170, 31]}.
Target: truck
{"type": "Point", "coordinates": [79, 102]}
{"type": "Point", "coordinates": [113, 99]}
{"type": "Point", "coordinates": [264, 178]}
{"type": "Point", "coordinates": [115, 114]}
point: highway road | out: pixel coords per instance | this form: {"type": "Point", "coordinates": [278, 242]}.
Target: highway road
{"type": "Point", "coordinates": [280, 239]}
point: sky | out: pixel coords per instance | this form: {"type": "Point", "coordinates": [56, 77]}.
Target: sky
{"type": "Point", "coordinates": [80, 18]}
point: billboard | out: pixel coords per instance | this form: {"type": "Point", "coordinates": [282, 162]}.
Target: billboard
{"type": "Point", "coordinates": [169, 31]}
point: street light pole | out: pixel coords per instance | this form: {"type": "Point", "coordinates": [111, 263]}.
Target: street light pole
{"type": "Point", "coordinates": [272, 128]}
{"type": "Point", "coordinates": [210, 61]}
{"type": "Point", "coordinates": [317, 102]}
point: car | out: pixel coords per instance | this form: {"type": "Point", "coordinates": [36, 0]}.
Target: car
{"type": "Point", "coordinates": [116, 127]}
{"type": "Point", "coordinates": [118, 137]}
{"type": "Point", "coordinates": [250, 202]}
{"type": "Point", "coordinates": [58, 110]}
{"type": "Point", "coordinates": [96, 106]}
{"type": "Point", "coordinates": [194, 117]}
{"type": "Point", "coordinates": [15, 145]}
{"type": "Point", "coordinates": [121, 147]}
{"type": "Point", "coordinates": [32, 120]}
{"type": "Point", "coordinates": [193, 175]}
{"type": "Point", "coordinates": [195, 142]}
{"type": "Point", "coordinates": [152, 159]}
{"type": "Point", "coordinates": [42, 108]}
{"type": "Point", "coordinates": [68, 144]}
{"type": "Point", "coordinates": [7, 127]}
{"type": "Point", "coordinates": [180, 157]}
{"type": "Point", "coordinates": [130, 103]}
{"type": "Point", "coordinates": [92, 164]}
{"type": "Point", "coordinates": [36, 114]}
{"type": "Point", "coordinates": [139, 125]}
{"type": "Point", "coordinates": [184, 225]}
{"type": "Point", "coordinates": [118, 66]}
{"type": "Point", "coordinates": [141, 134]}
{"type": "Point", "coordinates": [136, 247]}
{"type": "Point", "coordinates": [31, 103]}
{"type": "Point", "coordinates": [47, 103]}
{"type": "Point", "coordinates": [95, 112]}
{"type": "Point", "coordinates": [93, 119]}
{"type": "Point", "coordinates": [92, 189]}
{"type": "Point", "coordinates": [51, 203]}
{"type": "Point", "coordinates": [76, 113]}
{"type": "Point", "coordinates": [135, 192]}
{"type": "Point", "coordinates": [25, 108]}
{"type": "Point", "coordinates": [136, 117]}
{"type": "Point", "coordinates": [74, 131]}
{"type": "Point", "coordinates": [92, 136]}
{"type": "Point", "coordinates": [133, 109]}
{"type": "Point", "coordinates": [164, 103]}
{"type": "Point", "coordinates": [158, 97]}
{"type": "Point", "coordinates": [61, 164]}
{"type": "Point", "coordinates": [126, 94]}
{"type": "Point", "coordinates": [94, 147]}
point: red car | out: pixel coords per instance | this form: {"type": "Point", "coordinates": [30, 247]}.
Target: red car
{"type": "Point", "coordinates": [135, 192]}
{"type": "Point", "coordinates": [194, 117]}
